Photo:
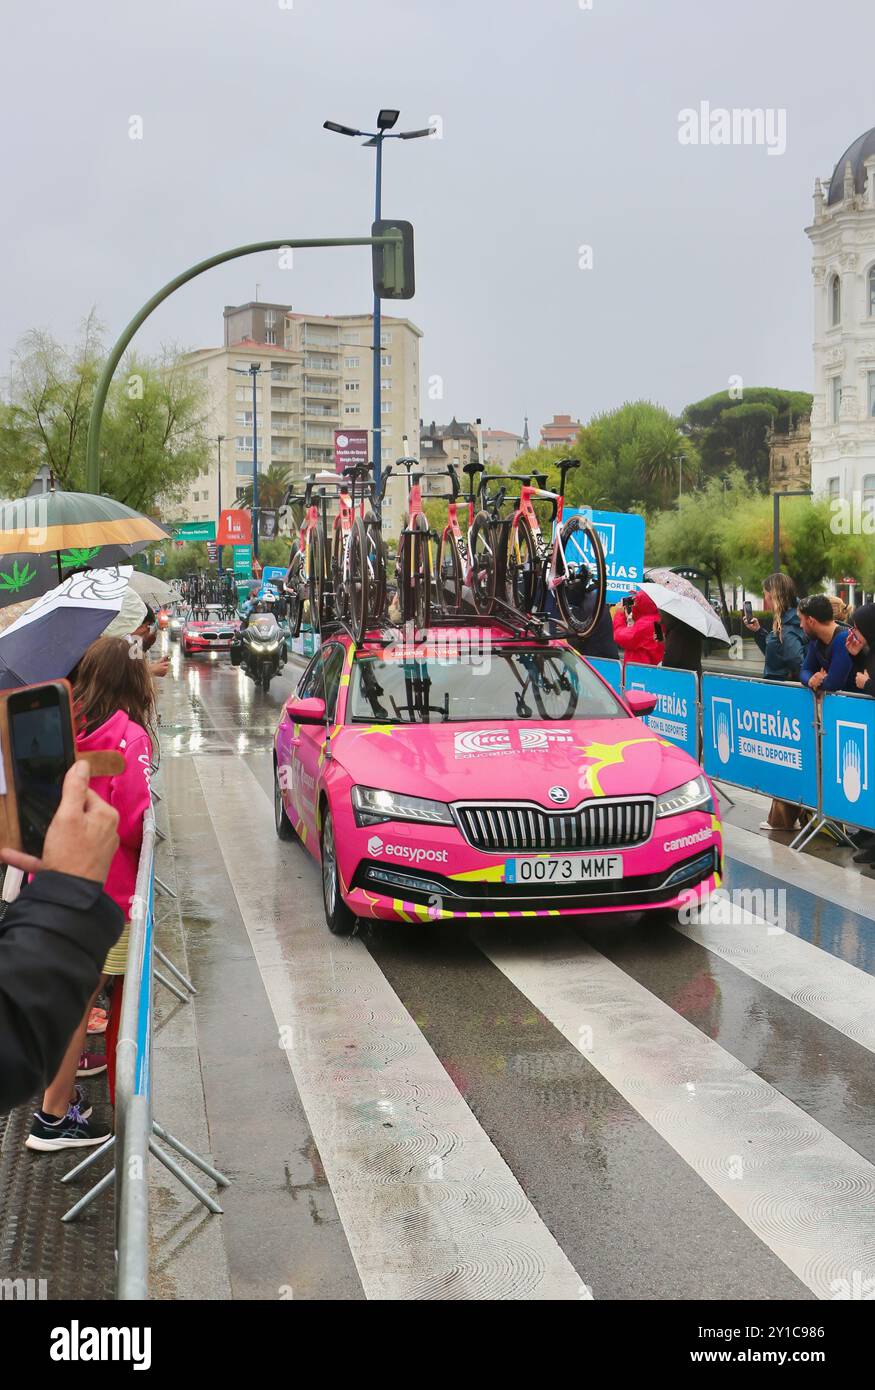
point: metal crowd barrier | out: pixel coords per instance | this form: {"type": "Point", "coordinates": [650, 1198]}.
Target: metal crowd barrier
{"type": "Point", "coordinates": [772, 737]}
{"type": "Point", "coordinates": [135, 1125]}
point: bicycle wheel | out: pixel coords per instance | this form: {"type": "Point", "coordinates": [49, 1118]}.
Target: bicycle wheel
{"type": "Point", "coordinates": [316, 579]}
{"type": "Point", "coordinates": [294, 587]}
{"type": "Point", "coordinates": [522, 567]}
{"type": "Point", "coordinates": [356, 583]}
{"type": "Point", "coordinates": [448, 574]}
{"type": "Point", "coordinates": [581, 617]}
{"type": "Point", "coordinates": [340, 595]}
{"type": "Point", "coordinates": [376, 568]}
{"type": "Point", "coordinates": [483, 576]}
{"type": "Point", "coordinates": [415, 575]}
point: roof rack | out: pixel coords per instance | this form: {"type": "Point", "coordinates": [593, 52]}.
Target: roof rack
{"type": "Point", "coordinates": [537, 627]}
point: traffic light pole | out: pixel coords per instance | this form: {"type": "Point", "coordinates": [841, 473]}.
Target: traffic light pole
{"type": "Point", "coordinates": [92, 457]}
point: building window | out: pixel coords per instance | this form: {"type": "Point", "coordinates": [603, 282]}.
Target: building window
{"type": "Point", "coordinates": [195, 497]}
{"type": "Point", "coordinates": [386, 431]}
{"type": "Point", "coordinates": [832, 487]}
{"type": "Point", "coordinates": [385, 339]}
{"type": "Point", "coordinates": [351, 362]}
{"type": "Point", "coordinates": [871, 393]}
{"type": "Point", "coordinates": [352, 410]}
{"type": "Point", "coordinates": [386, 359]}
{"type": "Point", "coordinates": [872, 292]}
{"type": "Point", "coordinates": [351, 385]}
{"type": "Point", "coordinates": [836, 399]}
{"type": "Point", "coordinates": [385, 407]}
{"type": "Point", "coordinates": [835, 300]}
{"type": "Point", "coordinates": [869, 487]}
{"type": "Point", "coordinates": [351, 339]}
{"type": "Point", "coordinates": [385, 384]}
{"type": "Point", "coordinates": [386, 453]}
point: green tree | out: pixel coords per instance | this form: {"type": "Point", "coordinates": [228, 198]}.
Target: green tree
{"type": "Point", "coordinates": [153, 440]}
{"type": "Point", "coordinates": [696, 533]}
{"type": "Point", "coordinates": [729, 432]}
{"type": "Point", "coordinates": [812, 552]}
{"type": "Point", "coordinates": [272, 487]}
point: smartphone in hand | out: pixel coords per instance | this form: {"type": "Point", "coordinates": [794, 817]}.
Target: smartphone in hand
{"type": "Point", "coordinates": [748, 610]}
{"type": "Point", "coordinates": [43, 748]}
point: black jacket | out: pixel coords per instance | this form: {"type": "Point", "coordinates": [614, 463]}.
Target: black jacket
{"type": "Point", "coordinates": [53, 942]}
{"type": "Point", "coordinates": [683, 645]}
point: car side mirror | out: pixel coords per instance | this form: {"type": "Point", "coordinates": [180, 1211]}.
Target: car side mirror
{"type": "Point", "coordinates": [640, 702]}
{"type": "Point", "coordinates": [310, 711]}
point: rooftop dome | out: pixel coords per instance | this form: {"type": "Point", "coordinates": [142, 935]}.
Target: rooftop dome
{"type": "Point", "coordinates": [857, 153]}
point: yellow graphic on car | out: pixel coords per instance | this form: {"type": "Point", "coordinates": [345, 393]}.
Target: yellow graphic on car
{"type": "Point", "coordinates": [606, 755]}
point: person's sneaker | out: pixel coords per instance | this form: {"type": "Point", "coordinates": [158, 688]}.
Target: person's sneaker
{"type": "Point", "coordinates": [70, 1132]}
{"type": "Point", "coordinates": [80, 1100]}
{"type": "Point", "coordinates": [91, 1064]}
{"type": "Point", "coordinates": [97, 1021]}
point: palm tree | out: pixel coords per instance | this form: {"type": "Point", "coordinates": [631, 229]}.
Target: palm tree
{"type": "Point", "coordinates": [272, 487]}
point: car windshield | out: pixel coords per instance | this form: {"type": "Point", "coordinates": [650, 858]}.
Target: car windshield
{"type": "Point", "coordinates": [506, 684]}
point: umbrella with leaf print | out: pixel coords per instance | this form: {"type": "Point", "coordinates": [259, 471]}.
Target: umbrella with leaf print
{"type": "Point", "coordinates": [49, 536]}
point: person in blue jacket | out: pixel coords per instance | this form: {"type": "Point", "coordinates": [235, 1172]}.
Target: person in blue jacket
{"type": "Point", "coordinates": [784, 646]}
{"type": "Point", "coordinates": [784, 651]}
{"type": "Point", "coordinates": [828, 664]}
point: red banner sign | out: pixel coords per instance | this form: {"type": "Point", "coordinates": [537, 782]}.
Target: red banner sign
{"type": "Point", "coordinates": [235, 528]}
{"type": "Point", "coordinates": [350, 446]}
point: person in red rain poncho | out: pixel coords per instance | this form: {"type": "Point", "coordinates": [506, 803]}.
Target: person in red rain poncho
{"type": "Point", "coordinates": [637, 631]}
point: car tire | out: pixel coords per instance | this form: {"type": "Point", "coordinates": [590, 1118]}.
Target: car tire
{"type": "Point", "coordinates": [339, 919]}
{"type": "Point", "coordinates": [284, 828]}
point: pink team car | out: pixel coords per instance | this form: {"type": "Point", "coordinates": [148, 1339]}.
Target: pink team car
{"type": "Point", "coordinates": [212, 633]}
{"type": "Point", "coordinates": [485, 775]}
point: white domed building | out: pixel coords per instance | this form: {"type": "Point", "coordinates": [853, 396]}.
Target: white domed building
{"type": "Point", "coordinates": [843, 269]}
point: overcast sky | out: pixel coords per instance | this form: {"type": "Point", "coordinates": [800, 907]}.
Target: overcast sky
{"type": "Point", "coordinates": [560, 130]}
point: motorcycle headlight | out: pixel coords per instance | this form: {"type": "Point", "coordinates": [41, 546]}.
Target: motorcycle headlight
{"type": "Point", "coordinates": [694, 795]}
{"type": "Point", "coordinates": [270, 646]}
{"type": "Point", "coordinates": [372, 805]}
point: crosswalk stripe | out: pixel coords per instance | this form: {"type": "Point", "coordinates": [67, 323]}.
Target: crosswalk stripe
{"type": "Point", "coordinates": [841, 884]}
{"type": "Point", "coordinates": [815, 980]}
{"type": "Point", "coordinates": [807, 1195]}
{"type": "Point", "coordinates": [429, 1207]}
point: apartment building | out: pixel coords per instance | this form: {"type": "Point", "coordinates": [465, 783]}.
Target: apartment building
{"type": "Point", "coordinates": [315, 377]}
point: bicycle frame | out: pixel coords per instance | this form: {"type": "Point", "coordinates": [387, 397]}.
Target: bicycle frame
{"type": "Point", "coordinates": [546, 550]}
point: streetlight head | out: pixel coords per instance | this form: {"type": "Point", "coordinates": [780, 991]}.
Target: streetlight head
{"type": "Point", "coordinates": [255, 366]}
{"type": "Point", "coordinates": [386, 119]}
{"type": "Point", "coordinates": [414, 134]}
{"type": "Point", "coordinates": [340, 129]}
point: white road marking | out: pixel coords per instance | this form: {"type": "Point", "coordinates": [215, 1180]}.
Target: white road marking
{"type": "Point", "coordinates": [808, 1196]}
{"type": "Point", "coordinates": [429, 1206]}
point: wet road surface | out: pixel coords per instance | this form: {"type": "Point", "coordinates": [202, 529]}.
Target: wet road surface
{"type": "Point", "coordinates": [616, 1108]}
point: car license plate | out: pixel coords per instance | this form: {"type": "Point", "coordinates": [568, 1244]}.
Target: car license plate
{"type": "Point", "coordinates": [547, 868]}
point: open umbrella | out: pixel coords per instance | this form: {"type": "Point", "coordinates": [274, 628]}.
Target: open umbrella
{"type": "Point", "coordinates": [156, 592]}
{"type": "Point", "coordinates": [48, 640]}
{"type": "Point", "coordinates": [42, 536]}
{"type": "Point", "coordinates": [675, 595]}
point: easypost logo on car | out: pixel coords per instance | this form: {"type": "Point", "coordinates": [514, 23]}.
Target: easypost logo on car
{"type": "Point", "coordinates": [413, 854]}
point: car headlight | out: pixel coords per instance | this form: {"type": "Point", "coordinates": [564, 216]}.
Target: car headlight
{"type": "Point", "coordinates": [372, 805]}
{"type": "Point", "coordinates": [694, 795]}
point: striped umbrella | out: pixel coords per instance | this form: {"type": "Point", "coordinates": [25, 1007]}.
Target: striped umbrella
{"type": "Point", "coordinates": [43, 537]}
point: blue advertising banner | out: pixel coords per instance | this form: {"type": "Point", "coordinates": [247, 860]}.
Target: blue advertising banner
{"type": "Point", "coordinates": [609, 670]}
{"type": "Point", "coordinates": [848, 785]}
{"type": "Point", "coordinates": [622, 538]}
{"type": "Point", "coordinates": [273, 574]}
{"type": "Point", "coordinates": [676, 713]}
{"type": "Point", "coordinates": [760, 735]}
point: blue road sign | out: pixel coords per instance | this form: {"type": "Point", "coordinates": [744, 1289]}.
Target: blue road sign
{"type": "Point", "coordinates": [760, 734]}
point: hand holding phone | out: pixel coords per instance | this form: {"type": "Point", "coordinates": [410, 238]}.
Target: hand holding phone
{"type": "Point", "coordinates": [82, 836]}
{"type": "Point", "coordinates": [42, 749]}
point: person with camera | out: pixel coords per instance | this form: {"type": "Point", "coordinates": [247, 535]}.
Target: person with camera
{"type": "Point", "coordinates": [55, 937]}
{"type": "Point", "coordinates": [784, 651]}
{"type": "Point", "coordinates": [638, 631]}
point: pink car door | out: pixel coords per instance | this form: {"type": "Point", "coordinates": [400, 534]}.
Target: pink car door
{"type": "Point", "coordinates": [322, 681]}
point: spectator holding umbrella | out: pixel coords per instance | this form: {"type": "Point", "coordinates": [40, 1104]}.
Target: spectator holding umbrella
{"type": "Point", "coordinates": [683, 644]}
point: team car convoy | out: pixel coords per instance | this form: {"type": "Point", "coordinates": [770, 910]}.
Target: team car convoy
{"type": "Point", "coordinates": [431, 783]}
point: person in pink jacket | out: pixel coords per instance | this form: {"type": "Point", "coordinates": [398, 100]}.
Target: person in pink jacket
{"type": "Point", "coordinates": [114, 704]}
{"type": "Point", "coordinates": [637, 631]}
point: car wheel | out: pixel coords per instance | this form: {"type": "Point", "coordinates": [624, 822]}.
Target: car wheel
{"type": "Point", "coordinates": [338, 916]}
{"type": "Point", "coordinates": [284, 828]}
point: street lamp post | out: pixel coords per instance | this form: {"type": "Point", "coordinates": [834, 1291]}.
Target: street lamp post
{"type": "Point", "coordinates": [386, 119]}
{"type": "Point", "coordinates": [776, 521]}
{"type": "Point", "coordinates": [219, 441]}
{"type": "Point", "coordinates": [253, 371]}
